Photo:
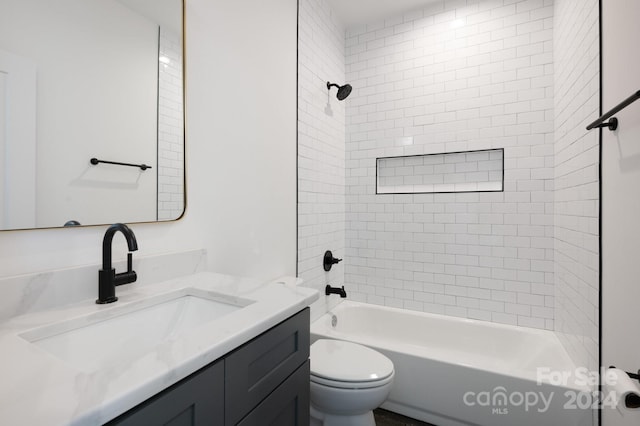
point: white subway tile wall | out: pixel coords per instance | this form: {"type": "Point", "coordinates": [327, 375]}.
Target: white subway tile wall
{"type": "Point", "coordinates": [170, 128]}
{"type": "Point", "coordinates": [454, 76]}
{"type": "Point", "coordinates": [458, 75]}
{"type": "Point", "coordinates": [468, 171]}
{"type": "Point", "coordinates": [577, 195]}
{"type": "Point", "coordinates": [321, 145]}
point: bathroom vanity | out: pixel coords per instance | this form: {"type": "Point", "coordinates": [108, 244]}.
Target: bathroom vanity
{"type": "Point", "coordinates": [265, 381]}
{"type": "Point", "coordinates": [201, 349]}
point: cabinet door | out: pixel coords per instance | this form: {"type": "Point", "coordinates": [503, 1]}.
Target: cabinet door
{"type": "Point", "coordinates": [197, 400]}
{"type": "Point", "coordinates": [254, 370]}
{"type": "Point", "coordinates": [288, 405]}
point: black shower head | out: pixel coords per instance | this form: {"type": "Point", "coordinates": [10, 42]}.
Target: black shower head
{"type": "Point", "coordinates": [343, 91]}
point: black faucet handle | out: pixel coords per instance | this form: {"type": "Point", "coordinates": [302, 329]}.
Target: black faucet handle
{"type": "Point", "coordinates": [126, 277]}
{"type": "Point", "coordinates": [328, 260]}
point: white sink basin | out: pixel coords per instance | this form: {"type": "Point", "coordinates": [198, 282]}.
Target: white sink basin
{"type": "Point", "coordinates": [125, 333]}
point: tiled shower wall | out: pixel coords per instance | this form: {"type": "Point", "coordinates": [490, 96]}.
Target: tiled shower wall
{"type": "Point", "coordinates": [456, 75]}
{"type": "Point", "coordinates": [576, 46]}
{"type": "Point", "coordinates": [321, 145]}
{"type": "Point", "coordinates": [170, 128]}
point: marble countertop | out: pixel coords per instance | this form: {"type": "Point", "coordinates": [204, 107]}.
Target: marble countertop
{"type": "Point", "coordinates": [39, 388]}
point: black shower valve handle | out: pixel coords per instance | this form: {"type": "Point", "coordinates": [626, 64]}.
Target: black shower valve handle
{"type": "Point", "coordinates": [328, 260]}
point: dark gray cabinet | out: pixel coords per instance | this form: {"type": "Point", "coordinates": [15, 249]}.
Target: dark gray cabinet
{"type": "Point", "coordinates": [195, 400]}
{"type": "Point", "coordinates": [288, 405]}
{"type": "Point", "coordinates": [255, 369]}
{"type": "Point", "coordinates": [263, 382]}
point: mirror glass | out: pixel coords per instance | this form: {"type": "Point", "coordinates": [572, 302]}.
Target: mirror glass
{"type": "Point", "coordinates": [83, 80]}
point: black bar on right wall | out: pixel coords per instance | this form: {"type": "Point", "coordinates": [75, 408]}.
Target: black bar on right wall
{"type": "Point", "coordinates": [612, 125]}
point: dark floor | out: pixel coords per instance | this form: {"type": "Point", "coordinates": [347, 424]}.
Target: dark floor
{"type": "Point", "coordinates": [387, 418]}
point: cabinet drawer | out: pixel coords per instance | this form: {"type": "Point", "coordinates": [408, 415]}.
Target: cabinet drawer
{"type": "Point", "coordinates": [195, 400]}
{"type": "Point", "coordinates": [286, 406]}
{"type": "Point", "coordinates": [255, 369]}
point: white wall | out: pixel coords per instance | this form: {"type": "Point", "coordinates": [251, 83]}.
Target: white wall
{"type": "Point", "coordinates": [321, 146]}
{"type": "Point", "coordinates": [86, 81]}
{"type": "Point", "coordinates": [576, 196]}
{"type": "Point", "coordinates": [620, 195]}
{"type": "Point", "coordinates": [241, 107]}
{"type": "Point", "coordinates": [17, 142]}
{"type": "Point", "coordinates": [454, 76]}
{"type": "Point", "coordinates": [247, 110]}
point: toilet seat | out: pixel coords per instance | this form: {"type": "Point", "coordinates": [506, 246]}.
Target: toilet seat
{"type": "Point", "coordinates": [348, 365]}
{"type": "Point", "coordinates": [351, 385]}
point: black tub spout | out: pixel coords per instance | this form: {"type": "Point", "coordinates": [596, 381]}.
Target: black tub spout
{"type": "Point", "coordinates": [335, 290]}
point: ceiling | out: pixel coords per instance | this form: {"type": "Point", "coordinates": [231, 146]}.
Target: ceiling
{"type": "Point", "coordinates": [355, 12]}
{"type": "Point", "coordinates": [166, 13]}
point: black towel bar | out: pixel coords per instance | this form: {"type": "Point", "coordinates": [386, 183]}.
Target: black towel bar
{"type": "Point", "coordinates": [613, 123]}
{"type": "Point", "coordinates": [95, 161]}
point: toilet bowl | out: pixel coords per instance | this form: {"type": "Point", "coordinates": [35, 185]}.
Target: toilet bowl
{"type": "Point", "coordinates": [347, 382]}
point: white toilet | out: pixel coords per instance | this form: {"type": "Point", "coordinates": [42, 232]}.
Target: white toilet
{"type": "Point", "coordinates": [347, 382]}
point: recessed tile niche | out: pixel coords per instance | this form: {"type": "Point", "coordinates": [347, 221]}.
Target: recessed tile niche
{"type": "Point", "coordinates": [468, 171]}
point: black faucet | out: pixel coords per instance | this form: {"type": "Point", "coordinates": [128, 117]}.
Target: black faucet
{"type": "Point", "coordinates": [335, 290]}
{"type": "Point", "coordinates": [107, 277]}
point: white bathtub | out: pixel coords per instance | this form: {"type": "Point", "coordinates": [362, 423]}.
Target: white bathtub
{"type": "Point", "coordinates": [452, 371]}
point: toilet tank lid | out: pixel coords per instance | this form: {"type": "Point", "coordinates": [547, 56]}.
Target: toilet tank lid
{"type": "Point", "coordinates": [348, 362]}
